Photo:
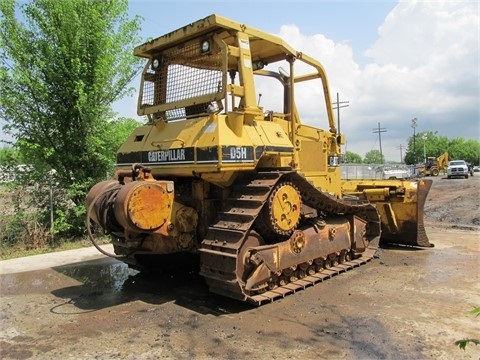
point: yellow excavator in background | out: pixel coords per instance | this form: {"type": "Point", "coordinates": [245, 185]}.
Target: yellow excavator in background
{"type": "Point", "coordinates": [434, 166]}
{"type": "Point", "coordinates": [253, 191]}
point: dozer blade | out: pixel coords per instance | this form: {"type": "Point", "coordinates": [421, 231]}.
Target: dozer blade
{"type": "Point", "coordinates": [402, 222]}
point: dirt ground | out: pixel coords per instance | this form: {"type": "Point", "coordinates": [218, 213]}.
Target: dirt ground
{"type": "Point", "coordinates": [404, 304]}
{"type": "Point", "coordinates": [454, 203]}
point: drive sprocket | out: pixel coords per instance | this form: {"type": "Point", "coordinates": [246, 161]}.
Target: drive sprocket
{"type": "Point", "coordinates": [281, 213]}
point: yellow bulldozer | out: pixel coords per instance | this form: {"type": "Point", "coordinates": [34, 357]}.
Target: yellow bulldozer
{"type": "Point", "coordinates": [434, 166]}
{"type": "Point", "coordinates": [255, 194]}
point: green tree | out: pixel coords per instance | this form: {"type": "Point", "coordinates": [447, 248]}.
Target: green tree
{"type": "Point", "coordinates": [62, 65]}
{"type": "Point", "coordinates": [467, 150]}
{"type": "Point", "coordinates": [435, 145]}
{"type": "Point", "coordinates": [9, 156]}
{"type": "Point", "coordinates": [352, 158]}
{"type": "Point", "coordinates": [374, 157]}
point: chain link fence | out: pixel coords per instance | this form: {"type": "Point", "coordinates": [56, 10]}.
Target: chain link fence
{"type": "Point", "coordinates": [377, 171]}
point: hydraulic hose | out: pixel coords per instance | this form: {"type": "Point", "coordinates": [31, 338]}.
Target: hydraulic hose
{"type": "Point", "coordinates": [89, 228]}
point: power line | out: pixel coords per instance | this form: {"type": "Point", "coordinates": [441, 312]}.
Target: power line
{"type": "Point", "coordinates": [338, 107]}
{"type": "Point", "coordinates": [379, 131]}
{"type": "Point", "coordinates": [374, 144]}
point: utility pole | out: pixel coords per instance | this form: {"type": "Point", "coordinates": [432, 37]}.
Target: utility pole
{"type": "Point", "coordinates": [424, 137]}
{"type": "Point", "coordinates": [337, 107]}
{"type": "Point", "coordinates": [401, 154]}
{"type": "Point", "coordinates": [379, 131]}
{"type": "Point", "coordinates": [414, 125]}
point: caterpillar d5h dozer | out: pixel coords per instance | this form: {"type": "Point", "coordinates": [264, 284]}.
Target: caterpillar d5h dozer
{"type": "Point", "coordinates": [255, 193]}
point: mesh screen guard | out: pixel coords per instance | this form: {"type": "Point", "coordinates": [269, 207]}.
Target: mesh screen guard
{"type": "Point", "coordinates": [185, 80]}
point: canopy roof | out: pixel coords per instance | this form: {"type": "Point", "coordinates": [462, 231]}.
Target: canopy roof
{"type": "Point", "coordinates": [264, 46]}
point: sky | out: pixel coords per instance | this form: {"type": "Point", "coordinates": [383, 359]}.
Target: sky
{"type": "Point", "coordinates": [391, 60]}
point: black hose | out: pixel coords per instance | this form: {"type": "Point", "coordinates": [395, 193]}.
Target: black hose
{"type": "Point", "coordinates": [89, 230]}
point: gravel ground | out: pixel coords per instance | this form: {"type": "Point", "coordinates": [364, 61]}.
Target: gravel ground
{"type": "Point", "coordinates": [454, 203]}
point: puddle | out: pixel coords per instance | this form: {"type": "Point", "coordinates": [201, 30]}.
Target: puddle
{"type": "Point", "coordinates": [96, 275]}
{"type": "Point", "coordinates": [106, 282]}
{"type": "Point", "coordinates": [104, 274]}
{"type": "Point", "coordinates": [109, 282]}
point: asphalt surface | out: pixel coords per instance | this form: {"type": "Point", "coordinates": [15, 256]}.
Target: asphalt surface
{"type": "Point", "coordinates": [404, 304]}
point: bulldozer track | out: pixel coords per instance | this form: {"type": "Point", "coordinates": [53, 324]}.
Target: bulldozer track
{"type": "Point", "coordinates": [228, 236]}
{"type": "Point", "coordinates": [311, 280]}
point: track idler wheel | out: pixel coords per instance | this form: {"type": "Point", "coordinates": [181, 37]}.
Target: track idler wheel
{"type": "Point", "coordinates": [281, 213]}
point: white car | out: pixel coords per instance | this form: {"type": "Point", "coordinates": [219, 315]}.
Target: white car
{"type": "Point", "coordinates": [457, 168]}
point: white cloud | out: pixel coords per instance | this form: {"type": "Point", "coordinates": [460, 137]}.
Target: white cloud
{"type": "Point", "coordinates": [424, 64]}
{"type": "Point", "coordinates": [418, 32]}
{"type": "Point", "coordinates": [336, 58]}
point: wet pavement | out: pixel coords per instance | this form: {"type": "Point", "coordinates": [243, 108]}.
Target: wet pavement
{"type": "Point", "coordinates": [404, 304]}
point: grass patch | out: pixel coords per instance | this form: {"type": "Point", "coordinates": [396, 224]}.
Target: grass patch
{"type": "Point", "coordinates": [17, 250]}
